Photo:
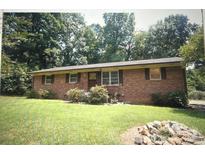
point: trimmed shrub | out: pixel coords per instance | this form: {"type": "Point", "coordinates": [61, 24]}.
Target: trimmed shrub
{"type": "Point", "coordinates": [76, 95]}
{"type": "Point", "coordinates": [98, 95]}
{"type": "Point", "coordinates": [158, 99]}
{"type": "Point", "coordinates": [171, 99]}
{"type": "Point", "coordinates": [114, 98]}
{"type": "Point", "coordinates": [32, 94]}
{"type": "Point", "coordinates": [177, 99]}
{"type": "Point", "coordinates": [46, 94]}
{"type": "Point", "coordinates": [197, 95]}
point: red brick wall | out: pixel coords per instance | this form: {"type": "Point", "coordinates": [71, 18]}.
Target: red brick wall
{"type": "Point", "coordinates": [135, 88]}
{"type": "Point", "coordinates": [60, 87]}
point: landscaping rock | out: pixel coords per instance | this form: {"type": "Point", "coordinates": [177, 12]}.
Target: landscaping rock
{"type": "Point", "coordinates": [171, 131]}
{"type": "Point", "coordinates": [147, 140]}
{"type": "Point", "coordinates": [138, 140]}
{"type": "Point", "coordinates": [166, 143]}
{"type": "Point", "coordinates": [145, 132]}
{"type": "Point", "coordinates": [159, 143]}
{"type": "Point", "coordinates": [166, 133]}
{"type": "Point", "coordinates": [156, 124]}
{"type": "Point", "coordinates": [176, 127]}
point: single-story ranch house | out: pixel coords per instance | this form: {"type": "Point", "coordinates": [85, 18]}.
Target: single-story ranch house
{"type": "Point", "coordinates": [134, 81]}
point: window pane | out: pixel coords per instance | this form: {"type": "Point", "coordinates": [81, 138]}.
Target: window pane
{"type": "Point", "coordinates": [114, 77]}
{"type": "Point", "coordinates": [73, 78]}
{"type": "Point", "coordinates": [105, 78]}
{"type": "Point", "coordinates": [155, 73]}
{"type": "Point", "coordinates": [48, 79]}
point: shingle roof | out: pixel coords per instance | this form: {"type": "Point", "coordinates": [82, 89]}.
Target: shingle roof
{"type": "Point", "coordinates": [112, 64]}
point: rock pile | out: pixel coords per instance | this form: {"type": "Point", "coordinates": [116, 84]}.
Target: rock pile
{"type": "Point", "coordinates": [167, 133]}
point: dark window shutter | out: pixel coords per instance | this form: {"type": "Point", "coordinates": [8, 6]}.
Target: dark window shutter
{"type": "Point", "coordinates": [163, 73]}
{"type": "Point", "coordinates": [79, 75]}
{"type": "Point", "coordinates": [67, 78]}
{"type": "Point", "coordinates": [147, 74]}
{"type": "Point", "coordinates": [43, 79]}
{"type": "Point", "coordinates": [121, 77]}
{"type": "Point", "coordinates": [98, 75]}
{"type": "Point", "coordinates": [53, 78]}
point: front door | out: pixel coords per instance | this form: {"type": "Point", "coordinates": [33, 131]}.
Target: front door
{"type": "Point", "coordinates": [93, 79]}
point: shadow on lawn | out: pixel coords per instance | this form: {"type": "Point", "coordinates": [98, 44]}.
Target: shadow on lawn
{"type": "Point", "coordinates": [190, 112]}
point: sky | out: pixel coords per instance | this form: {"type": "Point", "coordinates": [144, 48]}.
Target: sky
{"type": "Point", "coordinates": [143, 18]}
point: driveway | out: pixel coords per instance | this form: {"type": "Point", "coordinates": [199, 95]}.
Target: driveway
{"type": "Point", "coordinates": [197, 104]}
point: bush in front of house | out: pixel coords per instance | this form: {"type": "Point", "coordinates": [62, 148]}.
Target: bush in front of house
{"type": "Point", "coordinates": [32, 94]}
{"type": "Point", "coordinates": [158, 99]}
{"type": "Point", "coordinates": [76, 95]}
{"type": "Point", "coordinates": [197, 95]}
{"type": "Point", "coordinates": [114, 97]}
{"type": "Point", "coordinates": [177, 99]}
{"type": "Point", "coordinates": [171, 99]}
{"type": "Point", "coordinates": [46, 94]}
{"type": "Point", "coordinates": [98, 95]}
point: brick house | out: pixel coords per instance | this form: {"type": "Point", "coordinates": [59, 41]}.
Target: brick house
{"type": "Point", "coordinates": [134, 81]}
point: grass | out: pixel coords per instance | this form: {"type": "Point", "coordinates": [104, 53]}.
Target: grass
{"type": "Point", "coordinates": [35, 121]}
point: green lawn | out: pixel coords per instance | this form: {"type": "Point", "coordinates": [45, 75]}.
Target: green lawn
{"type": "Point", "coordinates": [33, 121]}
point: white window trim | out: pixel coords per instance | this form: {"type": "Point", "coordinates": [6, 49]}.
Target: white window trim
{"type": "Point", "coordinates": [45, 80]}
{"type": "Point", "coordinates": [160, 78]}
{"type": "Point", "coordinates": [70, 77]}
{"type": "Point", "coordinates": [110, 79]}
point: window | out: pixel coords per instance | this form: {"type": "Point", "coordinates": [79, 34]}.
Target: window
{"type": "Point", "coordinates": [105, 78]}
{"type": "Point", "coordinates": [110, 78]}
{"type": "Point", "coordinates": [155, 74]}
{"type": "Point", "coordinates": [73, 78]}
{"type": "Point", "coordinates": [48, 79]}
{"type": "Point", "coordinates": [114, 78]}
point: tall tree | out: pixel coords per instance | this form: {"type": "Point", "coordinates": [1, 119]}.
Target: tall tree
{"type": "Point", "coordinates": [193, 55]}
{"type": "Point", "coordinates": [93, 43]}
{"type": "Point", "coordinates": [72, 40]}
{"type": "Point", "coordinates": [118, 33]}
{"type": "Point", "coordinates": [166, 37]}
{"type": "Point", "coordinates": [193, 50]}
{"type": "Point", "coordinates": [139, 52]}
{"type": "Point", "coordinates": [32, 38]}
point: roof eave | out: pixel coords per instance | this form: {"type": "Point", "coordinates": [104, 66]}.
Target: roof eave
{"type": "Point", "coordinates": [168, 64]}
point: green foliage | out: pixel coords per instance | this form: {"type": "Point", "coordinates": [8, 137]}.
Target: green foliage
{"type": "Point", "coordinates": [32, 94]}
{"type": "Point", "coordinates": [193, 51]}
{"type": "Point", "coordinates": [118, 36]}
{"type": "Point", "coordinates": [193, 54]}
{"type": "Point", "coordinates": [197, 95]}
{"type": "Point", "coordinates": [158, 99]}
{"type": "Point", "coordinates": [139, 52]}
{"type": "Point", "coordinates": [177, 99]}
{"type": "Point", "coordinates": [76, 95]}
{"type": "Point", "coordinates": [166, 37]}
{"type": "Point", "coordinates": [46, 94]}
{"type": "Point", "coordinates": [196, 79]}
{"type": "Point", "coordinates": [171, 99]}
{"type": "Point", "coordinates": [32, 38]}
{"type": "Point", "coordinates": [14, 77]}
{"type": "Point", "coordinates": [98, 95]}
